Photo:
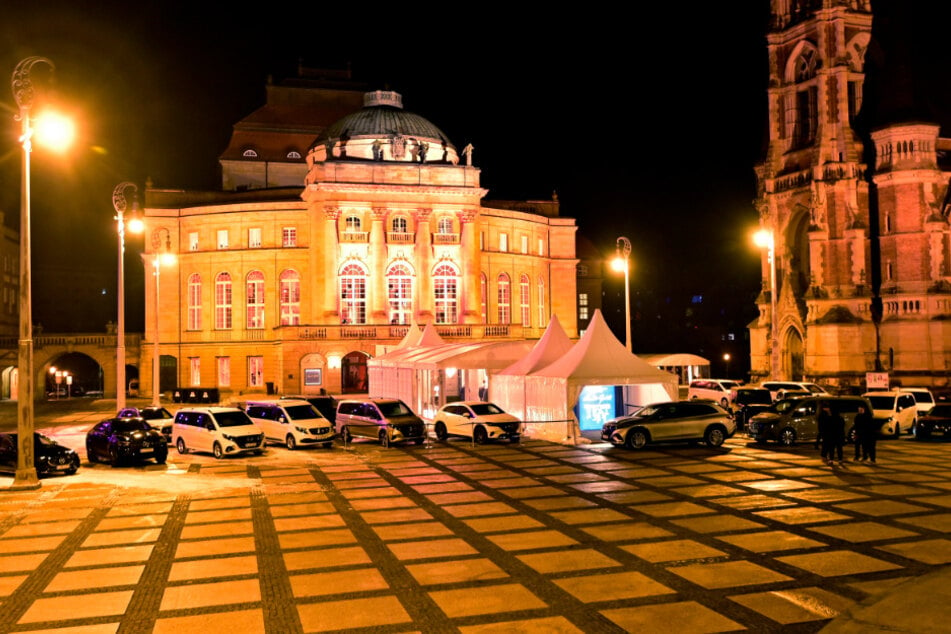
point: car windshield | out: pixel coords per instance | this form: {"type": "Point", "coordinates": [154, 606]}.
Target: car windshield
{"type": "Point", "coordinates": [129, 424]}
{"type": "Point", "coordinates": [812, 387]}
{"type": "Point", "coordinates": [302, 412]}
{"type": "Point", "coordinates": [486, 409]}
{"type": "Point", "coordinates": [784, 405]}
{"type": "Point", "coordinates": [754, 397]}
{"type": "Point", "coordinates": [943, 411]}
{"type": "Point", "coordinates": [394, 408]}
{"type": "Point", "coordinates": [644, 412]}
{"type": "Point", "coordinates": [232, 419]}
{"type": "Point", "coordinates": [922, 397]}
{"type": "Point", "coordinates": [882, 402]}
{"type": "Point", "coordinates": [155, 414]}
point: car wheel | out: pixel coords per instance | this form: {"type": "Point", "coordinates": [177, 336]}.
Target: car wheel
{"type": "Point", "coordinates": [441, 433]}
{"type": "Point", "coordinates": [328, 445]}
{"type": "Point", "coordinates": [922, 434]}
{"type": "Point", "coordinates": [90, 454]}
{"type": "Point", "coordinates": [384, 439]}
{"type": "Point", "coordinates": [161, 457]}
{"type": "Point", "coordinates": [73, 466]}
{"type": "Point", "coordinates": [113, 455]}
{"type": "Point", "coordinates": [914, 425]}
{"type": "Point", "coordinates": [897, 433]}
{"type": "Point", "coordinates": [217, 451]}
{"type": "Point", "coordinates": [714, 436]}
{"type": "Point", "coordinates": [180, 445]}
{"type": "Point", "coordinates": [290, 442]}
{"type": "Point", "coordinates": [479, 435]}
{"type": "Point", "coordinates": [419, 441]}
{"type": "Point", "coordinates": [787, 437]}
{"type": "Point", "coordinates": [636, 439]}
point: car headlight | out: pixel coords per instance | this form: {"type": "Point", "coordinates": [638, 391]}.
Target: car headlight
{"type": "Point", "coordinates": [302, 430]}
{"type": "Point", "coordinates": [228, 437]}
{"type": "Point", "coordinates": [125, 442]}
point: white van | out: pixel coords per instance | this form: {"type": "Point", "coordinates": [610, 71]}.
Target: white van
{"type": "Point", "coordinates": [894, 411]}
{"type": "Point", "coordinates": [291, 422]}
{"type": "Point", "coordinates": [219, 430]}
{"type": "Point", "coordinates": [716, 390]}
{"type": "Point", "coordinates": [779, 388]}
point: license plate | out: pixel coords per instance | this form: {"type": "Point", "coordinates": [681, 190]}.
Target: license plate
{"type": "Point", "coordinates": [62, 467]}
{"type": "Point", "coordinates": [146, 450]}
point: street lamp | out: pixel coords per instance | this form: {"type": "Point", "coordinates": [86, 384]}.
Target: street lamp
{"type": "Point", "coordinates": [162, 255]}
{"type": "Point", "coordinates": [23, 93]}
{"type": "Point", "coordinates": [135, 226]}
{"type": "Point", "coordinates": [764, 239]}
{"type": "Point", "coordinates": [622, 262]}
{"type": "Point", "coordinates": [726, 360]}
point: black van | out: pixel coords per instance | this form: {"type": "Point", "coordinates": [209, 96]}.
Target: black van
{"type": "Point", "coordinates": [792, 420]}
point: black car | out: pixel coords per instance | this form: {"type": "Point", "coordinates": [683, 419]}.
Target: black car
{"type": "Point", "coordinates": [157, 416]}
{"type": "Point", "coordinates": [48, 455]}
{"type": "Point", "coordinates": [749, 401]}
{"type": "Point", "coordinates": [937, 422]}
{"type": "Point", "coordinates": [115, 440]}
{"type": "Point", "coordinates": [325, 404]}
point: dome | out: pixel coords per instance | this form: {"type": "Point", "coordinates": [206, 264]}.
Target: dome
{"type": "Point", "coordinates": [383, 131]}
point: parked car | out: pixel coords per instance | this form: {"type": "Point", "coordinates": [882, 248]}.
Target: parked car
{"type": "Point", "coordinates": [937, 422]}
{"type": "Point", "coordinates": [49, 456]}
{"type": "Point", "coordinates": [775, 386]}
{"type": "Point", "coordinates": [747, 401]}
{"type": "Point", "coordinates": [388, 420]}
{"type": "Point", "coordinates": [795, 420]}
{"type": "Point", "coordinates": [478, 420]}
{"type": "Point", "coordinates": [117, 440]}
{"type": "Point", "coordinates": [667, 422]}
{"type": "Point", "coordinates": [924, 399]}
{"type": "Point", "coordinates": [894, 410]}
{"type": "Point", "coordinates": [325, 404]}
{"type": "Point", "coordinates": [717, 390]}
{"type": "Point", "coordinates": [158, 417]}
{"type": "Point", "coordinates": [219, 430]}
{"type": "Point", "coordinates": [291, 422]}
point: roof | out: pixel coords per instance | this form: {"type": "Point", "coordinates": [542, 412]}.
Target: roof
{"type": "Point", "coordinates": [553, 345]}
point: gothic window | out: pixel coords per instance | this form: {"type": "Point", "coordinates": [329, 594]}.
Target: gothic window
{"type": "Point", "coordinates": [353, 294]}
{"type": "Point", "coordinates": [505, 299]}
{"type": "Point", "coordinates": [194, 302]}
{"type": "Point", "coordinates": [223, 301]}
{"type": "Point", "coordinates": [525, 299]}
{"type": "Point", "coordinates": [290, 298]}
{"type": "Point", "coordinates": [255, 300]}
{"type": "Point", "coordinates": [805, 100]}
{"type": "Point", "coordinates": [445, 287]}
{"type": "Point", "coordinates": [399, 283]}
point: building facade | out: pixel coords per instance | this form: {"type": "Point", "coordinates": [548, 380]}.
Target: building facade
{"type": "Point", "coordinates": [861, 251]}
{"type": "Point", "coordinates": [289, 287]}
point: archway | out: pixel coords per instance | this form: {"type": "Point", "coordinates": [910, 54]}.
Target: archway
{"type": "Point", "coordinates": [313, 370]}
{"type": "Point", "coordinates": [793, 357]}
{"type": "Point", "coordinates": [353, 373]}
{"type": "Point", "coordinates": [71, 374]}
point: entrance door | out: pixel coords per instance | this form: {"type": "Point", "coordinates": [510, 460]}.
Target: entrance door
{"type": "Point", "coordinates": [353, 373]}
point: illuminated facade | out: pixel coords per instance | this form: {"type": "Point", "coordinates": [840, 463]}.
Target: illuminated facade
{"type": "Point", "coordinates": [290, 288]}
{"type": "Point", "coordinates": [862, 268]}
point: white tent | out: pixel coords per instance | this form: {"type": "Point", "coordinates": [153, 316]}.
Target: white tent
{"type": "Point", "coordinates": [687, 367]}
{"type": "Point", "coordinates": [597, 359]}
{"type": "Point", "coordinates": [507, 388]}
{"type": "Point", "coordinates": [391, 375]}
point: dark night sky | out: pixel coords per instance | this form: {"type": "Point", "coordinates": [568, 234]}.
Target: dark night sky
{"type": "Point", "coordinates": [647, 125]}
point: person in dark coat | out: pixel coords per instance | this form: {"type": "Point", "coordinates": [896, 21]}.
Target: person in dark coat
{"type": "Point", "coordinates": [866, 434]}
{"type": "Point", "coordinates": [831, 433]}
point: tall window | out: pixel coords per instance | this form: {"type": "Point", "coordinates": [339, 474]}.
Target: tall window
{"type": "Point", "coordinates": [353, 294]}
{"type": "Point", "coordinates": [582, 305]}
{"type": "Point", "coordinates": [484, 292]}
{"type": "Point", "coordinates": [193, 241]}
{"type": "Point", "coordinates": [224, 371]}
{"type": "Point", "coordinates": [445, 286]}
{"type": "Point", "coordinates": [290, 298]}
{"type": "Point", "coordinates": [194, 370]}
{"type": "Point", "coordinates": [353, 223]}
{"type": "Point", "coordinates": [444, 225]}
{"type": "Point", "coordinates": [255, 371]}
{"type": "Point", "coordinates": [255, 300]}
{"type": "Point", "coordinates": [223, 301]}
{"type": "Point", "coordinates": [222, 238]}
{"type": "Point", "coordinates": [400, 225]}
{"type": "Point", "coordinates": [289, 237]}
{"type": "Point", "coordinates": [254, 238]}
{"type": "Point", "coordinates": [542, 322]}
{"type": "Point", "coordinates": [194, 302]}
{"type": "Point", "coordinates": [505, 299]}
{"type": "Point", "coordinates": [524, 241]}
{"type": "Point", "coordinates": [503, 242]}
{"type": "Point", "coordinates": [525, 299]}
{"type": "Point", "coordinates": [399, 285]}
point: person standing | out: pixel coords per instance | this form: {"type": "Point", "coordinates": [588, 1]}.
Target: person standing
{"type": "Point", "coordinates": [837, 436]}
{"type": "Point", "coordinates": [866, 434]}
{"type": "Point", "coordinates": [823, 433]}
{"type": "Point", "coordinates": [831, 427]}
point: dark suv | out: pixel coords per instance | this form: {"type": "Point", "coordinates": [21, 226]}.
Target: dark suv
{"type": "Point", "coordinates": [748, 401]}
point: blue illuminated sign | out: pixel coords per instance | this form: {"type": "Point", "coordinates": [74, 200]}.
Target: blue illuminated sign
{"type": "Point", "coordinates": [597, 404]}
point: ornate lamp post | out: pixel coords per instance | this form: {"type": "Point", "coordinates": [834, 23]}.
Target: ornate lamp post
{"type": "Point", "coordinates": [162, 255]}
{"type": "Point", "coordinates": [764, 239]}
{"type": "Point", "coordinates": [135, 226]}
{"type": "Point", "coordinates": [622, 262]}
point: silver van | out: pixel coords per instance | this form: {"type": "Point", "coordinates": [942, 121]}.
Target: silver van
{"type": "Point", "coordinates": [388, 420]}
{"type": "Point", "coordinates": [797, 419]}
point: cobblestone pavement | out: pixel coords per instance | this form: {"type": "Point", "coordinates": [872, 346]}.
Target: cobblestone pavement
{"type": "Point", "coordinates": [450, 537]}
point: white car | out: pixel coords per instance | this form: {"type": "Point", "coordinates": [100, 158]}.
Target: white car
{"type": "Point", "coordinates": [717, 390]}
{"type": "Point", "coordinates": [219, 430]}
{"type": "Point", "coordinates": [291, 423]}
{"type": "Point", "coordinates": [779, 388]}
{"type": "Point", "coordinates": [924, 399]}
{"type": "Point", "coordinates": [894, 410]}
{"type": "Point", "coordinates": [478, 420]}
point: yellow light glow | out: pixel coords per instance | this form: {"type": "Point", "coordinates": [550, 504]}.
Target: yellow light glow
{"type": "Point", "coordinates": [450, 373]}
{"type": "Point", "coordinates": [135, 225]}
{"type": "Point", "coordinates": [763, 239]}
{"type": "Point", "coordinates": [619, 264]}
{"type": "Point", "coordinates": [333, 362]}
{"type": "Point", "coordinates": [167, 258]}
{"type": "Point", "coordinates": [54, 131]}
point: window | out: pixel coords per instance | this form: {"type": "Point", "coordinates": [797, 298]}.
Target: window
{"type": "Point", "coordinates": [293, 154]}
{"type": "Point", "coordinates": [289, 237]}
{"type": "Point", "coordinates": [254, 238]}
{"type": "Point", "coordinates": [482, 241]}
{"type": "Point", "coordinates": [445, 286]}
{"type": "Point", "coordinates": [249, 154]}
{"type": "Point", "coordinates": [484, 288]}
{"type": "Point", "coordinates": [223, 301]}
{"type": "Point", "coordinates": [505, 299]}
{"type": "Point", "coordinates": [194, 302]}
{"type": "Point", "coordinates": [525, 299]}
{"type": "Point", "coordinates": [541, 303]}
{"type": "Point", "coordinates": [399, 284]}
{"type": "Point", "coordinates": [582, 306]}
{"type": "Point", "coordinates": [503, 242]}
{"type": "Point", "coordinates": [524, 240]}
{"type": "Point", "coordinates": [444, 225]}
{"type": "Point", "coordinates": [194, 370]}
{"type": "Point", "coordinates": [582, 270]}
{"type": "Point", "coordinates": [400, 225]}
{"type": "Point", "coordinates": [255, 371]}
{"type": "Point", "coordinates": [541, 247]}
{"type": "Point", "coordinates": [224, 371]}
{"type": "Point", "coordinates": [193, 241]}
{"type": "Point", "coordinates": [353, 294]}
{"type": "Point", "coordinates": [353, 223]}
{"type": "Point", "coordinates": [290, 298]}
{"type": "Point", "coordinates": [255, 300]}
{"type": "Point", "coordinates": [222, 238]}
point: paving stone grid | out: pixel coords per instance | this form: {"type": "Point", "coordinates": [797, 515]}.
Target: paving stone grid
{"type": "Point", "coordinates": [498, 538]}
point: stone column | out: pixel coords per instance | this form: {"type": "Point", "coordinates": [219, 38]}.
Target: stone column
{"type": "Point", "coordinates": [423, 289]}
{"type": "Point", "coordinates": [331, 308]}
{"type": "Point", "coordinates": [377, 263]}
{"type": "Point", "coordinates": [469, 256]}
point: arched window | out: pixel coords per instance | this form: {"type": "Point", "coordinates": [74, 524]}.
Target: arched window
{"type": "Point", "coordinates": [353, 223]}
{"type": "Point", "coordinates": [446, 288]}
{"type": "Point", "coordinates": [444, 225]}
{"type": "Point", "coordinates": [194, 302]}
{"type": "Point", "coordinates": [249, 154]}
{"type": "Point", "coordinates": [505, 299]}
{"type": "Point", "coordinates": [525, 299]}
{"type": "Point", "coordinates": [542, 321]}
{"type": "Point", "coordinates": [290, 298]}
{"type": "Point", "coordinates": [293, 154]}
{"type": "Point", "coordinates": [255, 300]}
{"type": "Point", "coordinates": [399, 285]}
{"type": "Point", "coordinates": [223, 301]}
{"type": "Point", "coordinates": [353, 294]}
{"type": "Point", "coordinates": [484, 288]}
{"type": "Point", "coordinates": [400, 225]}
